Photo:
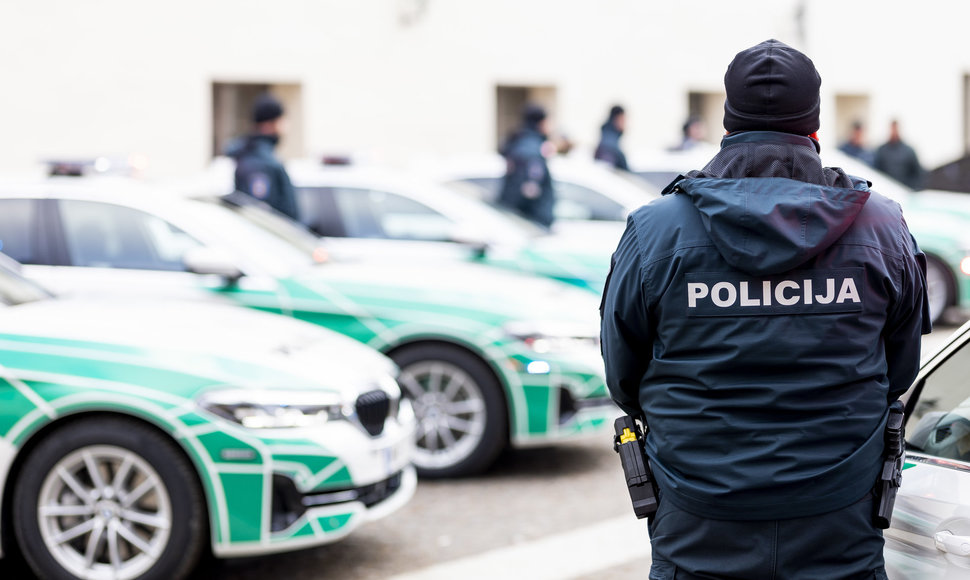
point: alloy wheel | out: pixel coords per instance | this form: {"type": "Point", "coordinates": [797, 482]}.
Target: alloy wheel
{"type": "Point", "coordinates": [450, 412]}
{"type": "Point", "coordinates": [104, 512]}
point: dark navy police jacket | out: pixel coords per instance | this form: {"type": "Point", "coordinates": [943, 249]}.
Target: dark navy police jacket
{"type": "Point", "coordinates": [761, 315]}
{"type": "Point", "coordinates": [527, 187]}
{"type": "Point", "coordinates": [608, 149]}
{"type": "Point", "coordinates": [262, 176]}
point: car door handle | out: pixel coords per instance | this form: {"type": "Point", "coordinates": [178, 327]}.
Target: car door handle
{"type": "Point", "coordinates": [951, 544]}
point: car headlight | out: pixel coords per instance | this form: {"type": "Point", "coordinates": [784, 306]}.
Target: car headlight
{"type": "Point", "coordinates": [275, 409]}
{"type": "Point", "coordinates": [965, 266]}
{"type": "Point", "coordinates": [554, 337]}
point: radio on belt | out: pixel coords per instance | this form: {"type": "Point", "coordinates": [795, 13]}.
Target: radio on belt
{"type": "Point", "coordinates": [628, 442]}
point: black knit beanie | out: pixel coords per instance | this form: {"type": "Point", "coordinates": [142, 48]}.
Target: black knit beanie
{"type": "Point", "coordinates": [533, 114]}
{"type": "Point", "coordinates": [266, 108]}
{"type": "Point", "coordinates": [772, 87]}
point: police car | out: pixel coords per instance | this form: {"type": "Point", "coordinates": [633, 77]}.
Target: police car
{"type": "Point", "coordinates": [133, 434]}
{"type": "Point", "coordinates": [366, 211]}
{"type": "Point", "coordinates": [930, 533]}
{"type": "Point", "coordinates": [940, 221]}
{"type": "Point", "coordinates": [489, 357]}
{"type": "Point", "coordinates": [585, 190]}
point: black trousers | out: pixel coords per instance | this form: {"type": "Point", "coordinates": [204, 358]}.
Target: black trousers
{"type": "Point", "coordinates": [840, 545]}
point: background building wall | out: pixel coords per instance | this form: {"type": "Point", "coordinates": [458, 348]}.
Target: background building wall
{"type": "Point", "coordinates": [391, 79]}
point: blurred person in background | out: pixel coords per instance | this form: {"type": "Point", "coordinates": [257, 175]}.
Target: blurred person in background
{"type": "Point", "coordinates": [694, 134]}
{"type": "Point", "coordinates": [608, 149]}
{"type": "Point", "coordinates": [898, 160]}
{"type": "Point", "coordinates": [855, 146]}
{"type": "Point", "coordinates": [763, 340]}
{"type": "Point", "coordinates": [258, 172]}
{"type": "Point", "coordinates": [527, 187]}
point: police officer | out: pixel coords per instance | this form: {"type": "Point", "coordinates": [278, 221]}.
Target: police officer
{"type": "Point", "coordinates": [855, 145]}
{"type": "Point", "coordinates": [608, 149]}
{"type": "Point", "coordinates": [527, 187]}
{"type": "Point", "coordinates": [761, 316]}
{"type": "Point", "coordinates": [258, 171]}
{"type": "Point", "coordinates": [898, 160]}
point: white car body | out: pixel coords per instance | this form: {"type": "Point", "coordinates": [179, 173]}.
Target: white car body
{"type": "Point", "coordinates": [246, 354]}
{"type": "Point", "coordinates": [929, 538]}
{"type": "Point", "coordinates": [587, 191]}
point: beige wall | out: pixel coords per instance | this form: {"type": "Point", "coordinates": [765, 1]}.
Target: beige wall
{"type": "Point", "coordinates": [397, 78]}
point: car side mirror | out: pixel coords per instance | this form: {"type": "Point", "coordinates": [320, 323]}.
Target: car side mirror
{"type": "Point", "coordinates": [211, 261]}
{"type": "Point", "coordinates": [925, 430]}
{"type": "Point", "coordinates": [472, 240]}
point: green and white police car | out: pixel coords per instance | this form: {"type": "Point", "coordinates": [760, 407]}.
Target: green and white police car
{"type": "Point", "coordinates": [134, 434]}
{"type": "Point", "coordinates": [488, 357]}
{"type": "Point", "coordinates": [362, 211]}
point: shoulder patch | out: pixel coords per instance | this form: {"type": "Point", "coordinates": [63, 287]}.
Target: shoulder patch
{"type": "Point", "coordinates": [259, 185]}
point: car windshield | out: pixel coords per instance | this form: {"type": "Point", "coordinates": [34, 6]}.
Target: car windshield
{"type": "Point", "coordinates": [271, 242]}
{"type": "Point", "coordinates": [254, 212]}
{"type": "Point", "coordinates": [473, 200]}
{"type": "Point", "coordinates": [15, 289]}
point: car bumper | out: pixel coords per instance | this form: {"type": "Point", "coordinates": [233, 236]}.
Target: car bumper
{"type": "Point", "coordinates": [324, 524]}
{"type": "Point", "coordinates": [309, 487]}
{"type": "Point", "coordinates": [558, 397]}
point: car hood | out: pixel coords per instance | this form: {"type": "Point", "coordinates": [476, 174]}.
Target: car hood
{"type": "Point", "coordinates": [932, 214]}
{"type": "Point", "coordinates": [476, 292]}
{"type": "Point", "coordinates": [579, 253]}
{"type": "Point", "coordinates": [223, 344]}
{"type": "Point", "coordinates": [945, 202]}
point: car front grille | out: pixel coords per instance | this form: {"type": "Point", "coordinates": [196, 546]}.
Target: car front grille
{"type": "Point", "coordinates": [373, 408]}
{"type": "Point", "coordinates": [289, 504]}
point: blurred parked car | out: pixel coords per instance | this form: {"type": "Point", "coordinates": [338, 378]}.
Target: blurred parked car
{"type": "Point", "coordinates": [488, 357]}
{"type": "Point", "coordinates": [659, 168]}
{"type": "Point", "coordinates": [940, 222]}
{"type": "Point", "coordinates": [930, 534]}
{"type": "Point", "coordinates": [364, 211]}
{"type": "Point", "coordinates": [585, 190]}
{"type": "Point", "coordinates": [133, 434]}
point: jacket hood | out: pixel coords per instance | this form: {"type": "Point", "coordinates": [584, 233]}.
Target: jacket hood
{"type": "Point", "coordinates": [769, 225]}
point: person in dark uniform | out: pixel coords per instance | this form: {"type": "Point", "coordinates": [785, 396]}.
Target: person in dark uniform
{"type": "Point", "coordinates": [258, 172]}
{"type": "Point", "coordinates": [527, 187]}
{"type": "Point", "coordinates": [761, 316]}
{"type": "Point", "coordinates": [693, 134]}
{"type": "Point", "coordinates": [855, 146]}
{"type": "Point", "coordinates": [608, 149]}
{"type": "Point", "coordinates": [898, 160]}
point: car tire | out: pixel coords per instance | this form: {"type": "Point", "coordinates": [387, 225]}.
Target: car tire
{"type": "Point", "coordinates": [940, 288]}
{"type": "Point", "coordinates": [141, 516]}
{"type": "Point", "coordinates": [462, 417]}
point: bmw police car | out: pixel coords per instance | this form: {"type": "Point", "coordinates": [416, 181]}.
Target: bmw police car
{"type": "Point", "coordinates": [488, 357]}
{"type": "Point", "coordinates": [938, 220]}
{"type": "Point", "coordinates": [364, 211]}
{"type": "Point", "coordinates": [586, 190]}
{"type": "Point", "coordinates": [133, 434]}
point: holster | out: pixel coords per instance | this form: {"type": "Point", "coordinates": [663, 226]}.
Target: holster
{"type": "Point", "coordinates": [628, 442]}
{"type": "Point", "coordinates": [891, 475]}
